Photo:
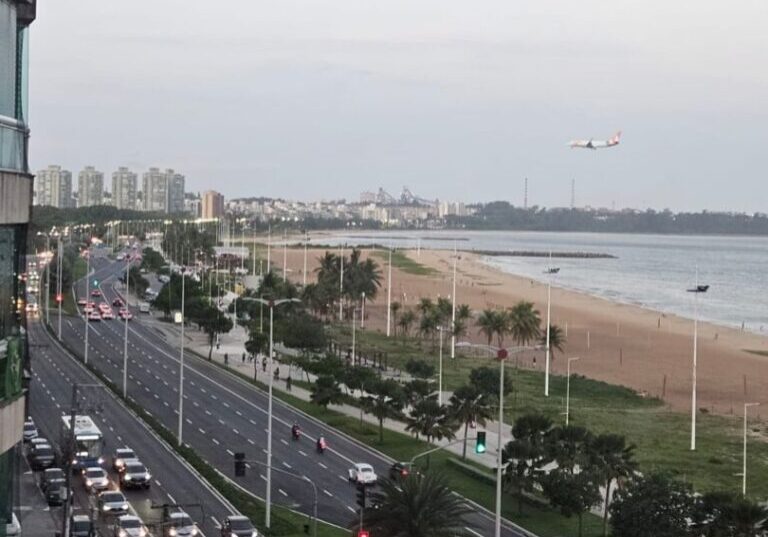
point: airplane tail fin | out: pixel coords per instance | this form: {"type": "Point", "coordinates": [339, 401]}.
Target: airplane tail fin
{"type": "Point", "coordinates": [616, 137]}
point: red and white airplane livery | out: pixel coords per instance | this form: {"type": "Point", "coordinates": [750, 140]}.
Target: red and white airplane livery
{"type": "Point", "coordinates": [596, 144]}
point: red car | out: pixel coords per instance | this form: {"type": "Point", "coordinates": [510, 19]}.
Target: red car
{"type": "Point", "coordinates": [82, 302]}
{"type": "Point", "coordinates": [118, 303]}
{"type": "Point", "coordinates": [125, 313]}
{"type": "Point", "coordinates": [96, 293]}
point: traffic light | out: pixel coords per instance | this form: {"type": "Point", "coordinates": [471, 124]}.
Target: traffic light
{"type": "Point", "coordinates": [239, 464]}
{"type": "Point", "coordinates": [95, 283]}
{"type": "Point", "coordinates": [480, 445]}
{"type": "Point", "coordinates": [361, 495]}
{"type": "Point", "coordinates": [363, 533]}
{"type": "Point", "coordinates": [59, 298]}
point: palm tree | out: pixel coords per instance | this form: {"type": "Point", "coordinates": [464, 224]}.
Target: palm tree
{"type": "Point", "coordinates": [569, 446]}
{"type": "Point", "coordinates": [406, 321]}
{"type": "Point", "coordinates": [524, 322]}
{"type": "Point", "coordinates": [486, 323]}
{"type": "Point", "coordinates": [424, 306]}
{"type": "Point", "coordinates": [386, 402]}
{"type": "Point", "coordinates": [747, 519]}
{"type": "Point", "coordinates": [431, 420]}
{"type": "Point", "coordinates": [612, 459]}
{"type": "Point", "coordinates": [463, 312]}
{"type": "Point", "coordinates": [422, 505]}
{"type": "Point", "coordinates": [394, 307]}
{"type": "Point", "coordinates": [526, 454]}
{"type": "Point", "coordinates": [501, 325]}
{"type": "Point", "coordinates": [556, 338]}
{"type": "Point", "coordinates": [468, 406]}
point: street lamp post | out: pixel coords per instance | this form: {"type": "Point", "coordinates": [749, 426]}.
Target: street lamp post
{"type": "Point", "coordinates": [181, 363]}
{"type": "Point", "coordinates": [48, 280]}
{"type": "Point", "coordinates": [341, 282]}
{"type": "Point", "coordinates": [354, 322]}
{"type": "Point", "coordinates": [272, 304]}
{"type": "Point", "coordinates": [362, 312]}
{"type": "Point", "coordinates": [453, 306]}
{"type": "Point", "coordinates": [440, 329]}
{"type": "Point", "coordinates": [285, 255]}
{"type": "Point", "coordinates": [696, 290]}
{"type": "Point", "coordinates": [568, 391]}
{"type": "Point", "coordinates": [125, 333]}
{"type": "Point", "coordinates": [744, 454]}
{"type": "Point", "coordinates": [304, 271]}
{"type": "Point", "coordinates": [87, 298]}
{"type": "Point", "coordinates": [389, 292]}
{"type": "Point", "coordinates": [548, 356]}
{"type": "Point", "coordinates": [59, 294]}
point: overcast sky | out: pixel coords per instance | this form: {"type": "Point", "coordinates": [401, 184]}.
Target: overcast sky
{"type": "Point", "coordinates": [456, 99]}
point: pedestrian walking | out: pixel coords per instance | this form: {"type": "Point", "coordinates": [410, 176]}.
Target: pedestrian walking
{"type": "Point", "coordinates": [277, 373]}
{"type": "Point", "coordinates": [264, 364]}
{"type": "Point", "coordinates": [288, 382]}
{"type": "Point", "coordinates": [226, 359]}
{"type": "Point", "coordinates": [243, 357]}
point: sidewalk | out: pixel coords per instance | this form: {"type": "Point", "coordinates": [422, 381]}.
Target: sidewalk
{"type": "Point", "coordinates": [233, 345]}
{"type": "Point", "coordinates": [34, 515]}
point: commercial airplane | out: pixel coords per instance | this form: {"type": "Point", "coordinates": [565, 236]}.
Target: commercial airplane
{"type": "Point", "coordinates": [596, 144]}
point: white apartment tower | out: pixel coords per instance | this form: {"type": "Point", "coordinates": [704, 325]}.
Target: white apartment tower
{"type": "Point", "coordinates": [90, 187]}
{"type": "Point", "coordinates": [124, 189]}
{"type": "Point", "coordinates": [53, 186]}
{"type": "Point", "coordinates": [175, 202]}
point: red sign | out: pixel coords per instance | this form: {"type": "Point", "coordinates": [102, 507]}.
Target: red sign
{"type": "Point", "coordinates": [502, 354]}
{"type": "Point", "coordinates": [363, 533]}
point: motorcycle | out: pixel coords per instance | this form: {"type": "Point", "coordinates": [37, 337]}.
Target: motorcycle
{"type": "Point", "coordinates": [296, 432]}
{"type": "Point", "coordinates": [321, 446]}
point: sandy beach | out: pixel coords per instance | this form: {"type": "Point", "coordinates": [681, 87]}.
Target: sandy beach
{"type": "Point", "coordinates": [645, 350]}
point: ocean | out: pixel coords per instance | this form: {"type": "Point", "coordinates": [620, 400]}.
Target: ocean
{"type": "Point", "coordinates": [651, 271]}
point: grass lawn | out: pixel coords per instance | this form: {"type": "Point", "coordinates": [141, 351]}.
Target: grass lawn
{"type": "Point", "coordinates": [78, 271]}
{"type": "Point", "coordinates": [662, 436]}
{"type": "Point", "coordinates": [405, 263]}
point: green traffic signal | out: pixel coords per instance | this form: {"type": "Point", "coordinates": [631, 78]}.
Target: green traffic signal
{"type": "Point", "coordinates": [480, 444]}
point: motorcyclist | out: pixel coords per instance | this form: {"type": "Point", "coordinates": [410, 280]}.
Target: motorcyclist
{"type": "Point", "coordinates": [321, 444]}
{"type": "Point", "coordinates": [296, 430]}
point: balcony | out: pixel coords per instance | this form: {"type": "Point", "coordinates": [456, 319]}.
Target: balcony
{"type": "Point", "coordinates": [13, 145]}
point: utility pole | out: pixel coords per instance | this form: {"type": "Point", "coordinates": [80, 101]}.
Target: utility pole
{"type": "Point", "coordinates": [59, 295]}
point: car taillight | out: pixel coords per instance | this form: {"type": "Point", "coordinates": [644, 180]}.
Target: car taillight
{"type": "Point", "coordinates": [404, 473]}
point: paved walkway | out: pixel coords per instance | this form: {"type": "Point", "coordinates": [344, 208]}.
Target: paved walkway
{"type": "Point", "coordinates": [35, 517]}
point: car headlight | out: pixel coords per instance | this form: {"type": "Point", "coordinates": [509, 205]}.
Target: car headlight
{"type": "Point", "coordinates": [147, 476]}
{"type": "Point", "coordinates": [125, 506]}
{"type": "Point", "coordinates": [123, 533]}
{"type": "Point", "coordinates": [172, 531]}
{"type": "Point", "coordinates": [194, 531]}
{"type": "Point", "coordinates": [119, 462]}
{"type": "Point", "coordinates": [106, 508]}
{"type": "Point", "coordinates": [142, 532]}
{"type": "Point", "coordinates": [127, 477]}
{"type": "Point", "coordinates": [101, 460]}
{"type": "Point", "coordinates": [255, 533]}
{"type": "Point", "coordinates": [88, 483]}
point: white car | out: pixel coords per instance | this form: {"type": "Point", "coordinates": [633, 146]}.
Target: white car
{"type": "Point", "coordinates": [30, 431]}
{"type": "Point", "coordinates": [112, 502]}
{"type": "Point", "coordinates": [130, 526]}
{"type": "Point", "coordinates": [95, 479]}
{"type": "Point", "coordinates": [362, 474]}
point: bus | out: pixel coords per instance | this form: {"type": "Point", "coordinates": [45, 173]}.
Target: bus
{"type": "Point", "coordinates": [89, 442]}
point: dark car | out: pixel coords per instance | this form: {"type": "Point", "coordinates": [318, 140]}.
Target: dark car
{"type": "Point", "coordinates": [134, 475]}
{"type": "Point", "coordinates": [52, 476]}
{"type": "Point", "coordinates": [41, 457]}
{"type": "Point", "coordinates": [118, 302]}
{"type": "Point", "coordinates": [121, 455]}
{"type": "Point", "coordinates": [400, 470]}
{"type": "Point", "coordinates": [238, 526]}
{"type": "Point", "coordinates": [80, 526]}
{"type": "Point", "coordinates": [56, 494]}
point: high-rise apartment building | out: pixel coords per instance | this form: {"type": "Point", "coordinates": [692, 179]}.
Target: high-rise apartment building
{"type": "Point", "coordinates": [53, 186]}
{"type": "Point", "coordinates": [175, 202]}
{"type": "Point", "coordinates": [213, 205]}
{"type": "Point", "coordinates": [163, 191]}
{"type": "Point", "coordinates": [124, 189]}
{"type": "Point", "coordinates": [90, 187]}
{"type": "Point", "coordinates": [15, 208]}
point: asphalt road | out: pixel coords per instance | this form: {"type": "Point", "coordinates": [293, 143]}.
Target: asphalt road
{"type": "Point", "coordinates": [224, 415]}
{"type": "Point", "coordinates": [54, 372]}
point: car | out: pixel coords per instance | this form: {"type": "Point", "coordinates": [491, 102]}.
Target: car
{"type": "Point", "coordinates": [118, 302]}
{"type": "Point", "coordinates": [12, 526]}
{"type": "Point", "coordinates": [89, 307]}
{"type": "Point", "coordinates": [30, 430]}
{"type": "Point", "coordinates": [41, 457]}
{"type": "Point", "coordinates": [82, 302]}
{"type": "Point", "coordinates": [32, 308]}
{"type": "Point", "coordinates": [107, 315]}
{"type": "Point", "coordinates": [400, 470]}
{"type": "Point", "coordinates": [134, 475]}
{"type": "Point", "coordinates": [57, 494]}
{"type": "Point", "coordinates": [95, 479]}
{"type": "Point", "coordinates": [120, 456]}
{"type": "Point", "coordinates": [94, 316]}
{"type": "Point", "coordinates": [144, 307]}
{"type": "Point", "coordinates": [130, 526]}
{"type": "Point", "coordinates": [362, 474]}
{"type": "Point", "coordinates": [112, 502]}
{"type": "Point", "coordinates": [36, 442]}
{"type": "Point", "coordinates": [238, 526]}
{"type": "Point", "coordinates": [125, 314]}
{"type": "Point", "coordinates": [52, 477]}
{"type": "Point", "coordinates": [179, 524]}
{"type": "Point", "coordinates": [80, 526]}
{"type": "Point", "coordinates": [96, 293]}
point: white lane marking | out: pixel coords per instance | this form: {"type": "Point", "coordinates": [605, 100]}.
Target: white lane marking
{"type": "Point", "coordinates": [216, 523]}
{"type": "Point", "coordinates": [284, 442]}
{"type": "Point", "coordinates": [230, 453]}
{"type": "Point", "coordinates": [302, 453]}
{"type": "Point", "coordinates": [235, 431]}
{"type": "Point", "coordinates": [342, 478]}
{"type": "Point", "coordinates": [173, 500]}
{"type": "Point", "coordinates": [261, 476]}
{"type": "Point", "coordinates": [327, 493]}
{"type": "Point", "coordinates": [321, 465]}
{"type": "Point", "coordinates": [238, 413]}
{"type": "Point", "coordinates": [201, 431]}
{"type": "Point", "coordinates": [473, 532]}
{"type": "Point", "coordinates": [190, 421]}
{"type": "Point", "coordinates": [355, 511]}
{"type": "Point", "coordinates": [252, 422]}
{"type": "Point", "coordinates": [157, 483]}
{"type": "Point", "coordinates": [215, 441]}
{"type": "Point", "coordinates": [283, 492]}
{"type": "Point", "coordinates": [286, 465]}
{"type": "Point", "coordinates": [251, 442]}
{"type": "Point", "coordinates": [225, 404]}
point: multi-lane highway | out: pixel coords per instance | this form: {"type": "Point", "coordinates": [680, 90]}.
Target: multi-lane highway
{"type": "Point", "coordinates": [173, 482]}
{"type": "Point", "coordinates": [224, 415]}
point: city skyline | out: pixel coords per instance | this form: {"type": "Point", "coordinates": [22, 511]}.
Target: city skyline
{"type": "Point", "coordinates": [321, 100]}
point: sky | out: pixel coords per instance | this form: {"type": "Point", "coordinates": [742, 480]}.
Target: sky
{"type": "Point", "coordinates": [323, 99]}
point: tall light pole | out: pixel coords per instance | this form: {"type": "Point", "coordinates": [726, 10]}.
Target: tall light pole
{"type": "Point", "coordinates": [440, 329]}
{"type": "Point", "coordinates": [285, 255]}
{"type": "Point", "coordinates": [744, 454]}
{"type": "Point", "coordinates": [453, 305]}
{"type": "Point", "coordinates": [341, 282]}
{"type": "Point", "coordinates": [568, 391]}
{"type": "Point", "coordinates": [696, 290]}
{"type": "Point", "coordinates": [59, 294]}
{"type": "Point", "coordinates": [548, 356]}
{"type": "Point", "coordinates": [304, 272]}
{"type": "Point", "coordinates": [272, 305]}
{"type": "Point", "coordinates": [87, 296]}
{"type": "Point", "coordinates": [125, 333]}
{"type": "Point", "coordinates": [181, 363]}
{"type": "Point", "coordinates": [48, 279]}
{"type": "Point", "coordinates": [389, 292]}
{"type": "Point", "coordinates": [362, 312]}
{"type": "Point", "coordinates": [354, 322]}
{"type": "Point", "coordinates": [269, 249]}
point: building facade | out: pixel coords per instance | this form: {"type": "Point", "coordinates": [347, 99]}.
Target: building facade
{"type": "Point", "coordinates": [90, 187]}
{"type": "Point", "coordinates": [213, 205]}
{"type": "Point", "coordinates": [163, 191]}
{"type": "Point", "coordinates": [16, 192]}
{"type": "Point", "coordinates": [124, 189]}
{"type": "Point", "coordinates": [53, 186]}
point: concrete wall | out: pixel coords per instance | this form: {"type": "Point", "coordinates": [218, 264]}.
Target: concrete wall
{"type": "Point", "coordinates": [11, 423]}
{"type": "Point", "coordinates": [15, 198]}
